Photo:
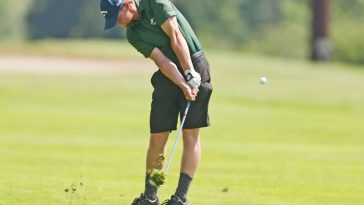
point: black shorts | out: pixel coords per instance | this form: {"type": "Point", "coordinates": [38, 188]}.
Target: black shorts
{"type": "Point", "coordinates": [169, 101]}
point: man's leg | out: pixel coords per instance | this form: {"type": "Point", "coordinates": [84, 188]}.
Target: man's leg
{"type": "Point", "coordinates": [191, 151]}
{"type": "Point", "coordinates": [190, 161]}
{"type": "Point", "coordinates": [156, 148]}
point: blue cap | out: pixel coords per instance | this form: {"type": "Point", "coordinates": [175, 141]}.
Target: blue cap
{"type": "Point", "coordinates": [110, 10]}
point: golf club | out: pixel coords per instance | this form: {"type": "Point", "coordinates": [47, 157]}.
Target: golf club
{"type": "Point", "coordinates": [178, 136]}
{"type": "Point", "coordinates": [157, 177]}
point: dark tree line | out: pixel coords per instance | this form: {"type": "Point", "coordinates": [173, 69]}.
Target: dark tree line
{"type": "Point", "coordinates": [81, 18]}
{"type": "Point", "coordinates": [265, 26]}
{"type": "Point", "coordinates": [66, 19]}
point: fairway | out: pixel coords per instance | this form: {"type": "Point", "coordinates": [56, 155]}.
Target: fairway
{"type": "Point", "coordinates": [78, 135]}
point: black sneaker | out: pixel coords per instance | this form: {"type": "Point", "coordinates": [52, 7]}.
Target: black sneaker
{"type": "Point", "coordinates": [175, 200]}
{"type": "Point", "coordinates": [143, 200]}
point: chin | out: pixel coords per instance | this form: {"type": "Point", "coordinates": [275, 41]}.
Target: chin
{"type": "Point", "coordinates": [127, 25]}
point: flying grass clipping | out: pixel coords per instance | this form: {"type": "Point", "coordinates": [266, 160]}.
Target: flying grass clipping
{"type": "Point", "coordinates": [157, 176]}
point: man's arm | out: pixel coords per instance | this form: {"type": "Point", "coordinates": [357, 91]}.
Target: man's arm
{"type": "Point", "coordinates": [178, 42]}
{"type": "Point", "coordinates": [170, 70]}
{"type": "Point", "coordinates": [180, 48]}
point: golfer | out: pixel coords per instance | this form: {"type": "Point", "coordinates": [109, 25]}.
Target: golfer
{"type": "Point", "coordinates": [156, 29]}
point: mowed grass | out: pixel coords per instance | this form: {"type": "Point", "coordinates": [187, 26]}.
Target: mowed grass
{"type": "Point", "coordinates": [299, 140]}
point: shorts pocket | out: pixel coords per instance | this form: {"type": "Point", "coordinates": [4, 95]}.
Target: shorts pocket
{"type": "Point", "coordinates": [155, 78]}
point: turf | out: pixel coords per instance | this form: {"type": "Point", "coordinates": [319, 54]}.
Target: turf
{"type": "Point", "coordinates": [82, 139]}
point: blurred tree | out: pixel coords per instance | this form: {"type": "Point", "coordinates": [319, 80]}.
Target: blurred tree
{"type": "Point", "coordinates": [67, 19]}
{"type": "Point", "coordinates": [321, 43]}
{"type": "Point", "coordinates": [13, 23]}
{"type": "Point", "coordinates": [259, 13]}
{"type": "Point", "coordinates": [348, 30]}
{"type": "Point", "coordinates": [271, 27]}
{"type": "Point", "coordinates": [3, 27]}
{"type": "Point", "coordinates": [230, 23]}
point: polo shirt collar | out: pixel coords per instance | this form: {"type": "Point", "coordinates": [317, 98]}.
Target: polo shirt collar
{"type": "Point", "coordinates": [140, 5]}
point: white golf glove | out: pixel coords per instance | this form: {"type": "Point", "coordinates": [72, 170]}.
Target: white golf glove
{"type": "Point", "coordinates": [193, 79]}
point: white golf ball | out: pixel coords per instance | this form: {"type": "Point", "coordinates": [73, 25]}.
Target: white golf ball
{"type": "Point", "coordinates": [263, 80]}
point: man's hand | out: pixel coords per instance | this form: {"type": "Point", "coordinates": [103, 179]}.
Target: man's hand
{"type": "Point", "coordinates": [170, 70]}
{"type": "Point", "coordinates": [190, 94]}
{"type": "Point", "coordinates": [193, 79]}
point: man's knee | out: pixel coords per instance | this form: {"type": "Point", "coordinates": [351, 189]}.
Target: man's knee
{"type": "Point", "coordinates": [191, 136]}
{"type": "Point", "coordinates": [158, 139]}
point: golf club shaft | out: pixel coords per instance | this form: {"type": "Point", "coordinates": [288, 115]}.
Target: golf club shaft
{"type": "Point", "coordinates": [178, 136]}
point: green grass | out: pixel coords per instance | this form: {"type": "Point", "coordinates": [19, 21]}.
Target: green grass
{"type": "Point", "coordinates": [297, 140]}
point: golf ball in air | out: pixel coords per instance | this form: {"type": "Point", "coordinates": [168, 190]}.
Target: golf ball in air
{"type": "Point", "coordinates": [263, 80]}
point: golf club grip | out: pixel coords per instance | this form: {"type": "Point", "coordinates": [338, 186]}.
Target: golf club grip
{"type": "Point", "coordinates": [178, 136]}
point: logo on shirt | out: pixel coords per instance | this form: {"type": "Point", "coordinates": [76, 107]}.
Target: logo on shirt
{"type": "Point", "coordinates": [153, 22]}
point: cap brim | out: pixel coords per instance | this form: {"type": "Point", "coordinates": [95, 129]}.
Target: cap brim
{"type": "Point", "coordinates": [111, 22]}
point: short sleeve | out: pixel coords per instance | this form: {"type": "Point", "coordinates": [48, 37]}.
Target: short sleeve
{"type": "Point", "coordinates": [162, 10]}
{"type": "Point", "coordinates": [138, 43]}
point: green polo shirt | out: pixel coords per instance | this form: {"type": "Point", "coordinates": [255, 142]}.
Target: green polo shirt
{"type": "Point", "coordinates": [146, 34]}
